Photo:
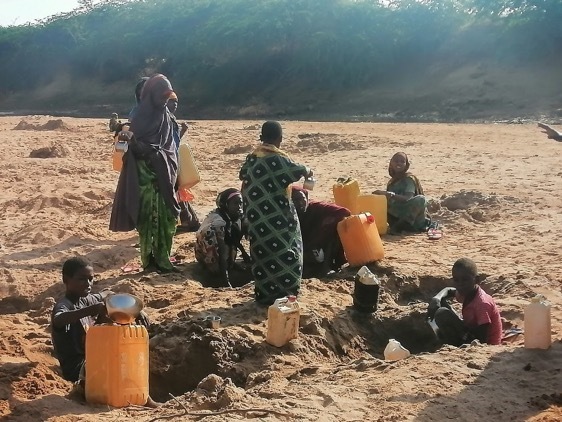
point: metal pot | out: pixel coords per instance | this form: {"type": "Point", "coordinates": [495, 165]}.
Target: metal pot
{"type": "Point", "coordinates": [123, 308]}
{"type": "Point", "coordinates": [309, 183]}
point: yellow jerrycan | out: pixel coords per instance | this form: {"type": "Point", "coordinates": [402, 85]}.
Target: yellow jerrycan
{"type": "Point", "coordinates": [119, 149]}
{"type": "Point", "coordinates": [117, 365]}
{"type": "Point", "coordinates": [283, 321]}
{"type": "Point", "coordinates": [346, 193]}
{"type": "Point", "coordinates": [188, 174]}
{"type": "Point", "coordinates": [360, 239]}
{"type": "Point", "coordinates": [537, 324]}
{"type": "Point", "coordinates": [376, 205]}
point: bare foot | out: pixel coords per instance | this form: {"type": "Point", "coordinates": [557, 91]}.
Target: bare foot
{"type": "Point", "coordinates": [152, 404]}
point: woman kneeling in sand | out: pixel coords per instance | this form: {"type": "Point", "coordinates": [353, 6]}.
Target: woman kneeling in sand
{"type": "Point", "coordinates": [407, 206]}
{"type": "Point", "coordinates": [218, 240]}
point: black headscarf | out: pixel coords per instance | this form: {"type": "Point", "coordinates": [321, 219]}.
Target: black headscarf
{"type": "Point", "coordinates": [139, 87]}
{"type": "Point", "coordinates": [232, 232]}
{"type": "Point", "coordinates": [152, 128]}
{"type": "Point", "coordinates": [154, 143]}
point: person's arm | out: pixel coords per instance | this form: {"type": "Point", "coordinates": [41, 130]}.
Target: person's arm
{"type": "Point", "coordinates": [295, 171]}
{"type": "Point", "coordinates": [391, 195]}
{"type": "Point", "coordinates": [408, 188]}
{"type": "Point", "coordinates": [440, 300]}
{"type": "Point", "coordinates": [550, 132]}
{"type": "Point", "coordinates": [68, 317]}
{"type": "Point", "coordinates": [183, 129]}
{"type": "Point", "coordinates": [223, 251]}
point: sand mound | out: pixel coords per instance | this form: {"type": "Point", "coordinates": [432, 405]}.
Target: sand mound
{"type": "Point", "coordinates": [319, 143]}
{"type": "Point", "coordinates": [472, 206]}
{"type": "Point", "coordinates": [57, 124]}
{"type": "Point", "coordinates": [464, 200]}
{"type": "Point", "coordinates": [54, 151]}
{"type": "Point", "coordinates": [238, 149]}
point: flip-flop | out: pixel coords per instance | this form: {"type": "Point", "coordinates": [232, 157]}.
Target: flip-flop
{"type": "Point", "coordinates": [129, 268]}
{"type": "Point", "coordinates": [434, 234]}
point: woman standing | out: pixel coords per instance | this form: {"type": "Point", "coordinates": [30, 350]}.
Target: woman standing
{"type": "Point", "coordinates": [145, 198]}
{"type": "Point", "coordinates": [407, 210]}
{"type": "Point", "coordinates": [275, 236]}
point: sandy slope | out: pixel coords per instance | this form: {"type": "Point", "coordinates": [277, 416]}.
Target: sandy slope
{"type": "Point", "coordinates": [496, 188]}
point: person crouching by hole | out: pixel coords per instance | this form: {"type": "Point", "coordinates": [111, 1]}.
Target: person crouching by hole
{"type": "Point", "coordinates": [72, 316]}
{"type": "Point", "coordinates": [219, 239]}
{"type": "Point", "coordinates": [480, 315]}
{"type": "Point", "coordinates": [322, 249]}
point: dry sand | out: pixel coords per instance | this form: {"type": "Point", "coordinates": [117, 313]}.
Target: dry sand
{"type": "Point", "coordinates": [496, 188]}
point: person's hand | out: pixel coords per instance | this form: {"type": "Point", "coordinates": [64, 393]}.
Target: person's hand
{"type": "Point", "coordinates": [142, 319]}
{"type": "Point", "coordinates": [310, 173]}
{"type": "Point", "coordinates": [434, 305]}
{"type": "Point", "coordinates": [125, 135]}
{"type": "Point", "coordinates": [105, 293]}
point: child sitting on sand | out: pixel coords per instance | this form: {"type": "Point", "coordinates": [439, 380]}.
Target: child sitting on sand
{"type": "Point", "coordinates": [73, 314]}
{"type": "Point", "coordinates": [480, 315]}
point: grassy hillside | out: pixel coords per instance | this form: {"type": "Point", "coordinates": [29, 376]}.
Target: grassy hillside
{"type": "Point", "coordinates": [356, 59]}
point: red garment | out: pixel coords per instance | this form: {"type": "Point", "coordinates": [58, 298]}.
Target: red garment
{"type": "Point", "coordinates": [319, 224]}
{"type": "Point", "coordinates": [483, 310]}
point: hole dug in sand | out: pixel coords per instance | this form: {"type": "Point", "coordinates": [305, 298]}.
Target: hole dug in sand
{"type": "Point", "coordinates": [54, 151]}
{"type": "Point", "coordinates": [185, 351]}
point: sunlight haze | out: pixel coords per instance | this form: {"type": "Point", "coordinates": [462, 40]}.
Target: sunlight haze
{"type": "Point", "coordinates": [21, 12]}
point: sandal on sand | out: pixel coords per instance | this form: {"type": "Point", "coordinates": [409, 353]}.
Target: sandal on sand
{"type": "Point", "coordinates": [434, 234]}
{"type": "Point", "coordinates": [132, 267]}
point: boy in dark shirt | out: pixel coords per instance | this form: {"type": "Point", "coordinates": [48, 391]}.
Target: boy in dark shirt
{"type": "Point", "coordinates": [73, 314]}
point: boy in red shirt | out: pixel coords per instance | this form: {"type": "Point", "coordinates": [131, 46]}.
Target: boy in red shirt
{"type": "Point", "coordinates": [480, 315]}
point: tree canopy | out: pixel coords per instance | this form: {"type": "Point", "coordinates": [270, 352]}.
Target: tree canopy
{"type": "Point", "coordinates": [235, 53]}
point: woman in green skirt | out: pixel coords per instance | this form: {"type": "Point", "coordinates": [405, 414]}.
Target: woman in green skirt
{"type": "Point", "coordinates": [145, 198]}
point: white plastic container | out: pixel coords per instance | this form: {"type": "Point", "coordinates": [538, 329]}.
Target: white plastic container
{"type": "Point", "coordinates": [283, 321]}
{"type": "Point", "coordinates": [395, 351]}
{"type": "Point", "coordinates": [537, 325]}
{"type": "Point", "coordinates": [188, 174]}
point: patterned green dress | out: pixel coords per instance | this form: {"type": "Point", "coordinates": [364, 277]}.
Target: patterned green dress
{"type": "Point", "coordinates": [411, 214]}
{"type": "Point", "coordinates": [275, 235]}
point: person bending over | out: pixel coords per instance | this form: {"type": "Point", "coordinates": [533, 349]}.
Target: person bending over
{"type": "Point", "coordinates": [322, 248]}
